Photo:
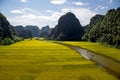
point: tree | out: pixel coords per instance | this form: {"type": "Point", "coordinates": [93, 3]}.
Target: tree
{"type": "Point", "coordinates": [105, 29]}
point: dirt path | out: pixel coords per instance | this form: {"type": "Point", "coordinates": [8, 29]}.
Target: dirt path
{"type": "Point", "coordinates": [110, 65]}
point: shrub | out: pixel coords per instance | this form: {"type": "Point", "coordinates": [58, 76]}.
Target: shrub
{"type": "Point", "coordinates": [6, 41]}
{"type": "Point", "coordinates": [17, 39]}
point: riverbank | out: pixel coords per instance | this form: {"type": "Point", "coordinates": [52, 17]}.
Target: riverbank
{"type": "Point", "coordinates": [108, 63]}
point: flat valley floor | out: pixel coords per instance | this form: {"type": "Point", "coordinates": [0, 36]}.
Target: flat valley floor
{"type": "Point", "coordinates": [43, 60]}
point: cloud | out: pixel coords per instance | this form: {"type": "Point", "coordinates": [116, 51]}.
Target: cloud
{"type": "Point", "coordinates": [79, 3]}
{"type": "Point", "coordinates": [24, 10]}
{"type": "Point", "coordinates": [100, 8]}
{"type": "Point", "coordinates": [58, 1]}
{"type": "Point", "coordinates": [16, 11]}
{"type": "Point", "coordinates": [65, 10]}
{"type": "Point", "coordinates": [31, 18]}
{"type": "Point", "coordinates": [49, 11]}
{"type": "Point", "coordinates": [23, 0]}
{"type": "Point", "coordinates": [110, 1]}
{"type": "Point", "coordinates": [29, 10]}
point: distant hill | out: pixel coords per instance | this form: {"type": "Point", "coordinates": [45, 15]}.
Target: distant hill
{"type": "Point", "coordinates": [27, 31]}
{"type": "Point", "coordinates": [34, 30]}
{"type": "Point", "coordinates": [6, 30]}
{"type": "Point", "coordinates": [105, 29]}
{"type": "Point", "coordinates": [22, 32]}
{"type": "Point", "coordinates": [102, 28]}
{"type": "Point", "coordinates": [68, 28]}
{"type": "Point", "coordinates": [45, 31]}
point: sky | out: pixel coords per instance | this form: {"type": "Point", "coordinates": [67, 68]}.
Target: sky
{"type": "Point", "coordinates": [47, 12]}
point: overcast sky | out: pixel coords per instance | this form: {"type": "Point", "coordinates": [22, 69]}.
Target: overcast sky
{"type": "Point", "coordinates": [47, 12]}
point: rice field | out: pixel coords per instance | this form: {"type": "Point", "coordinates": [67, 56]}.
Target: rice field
{"type": "Point", "coordinates": [98, 48]}
{"type": "Point", "coordinates": [42, 60]}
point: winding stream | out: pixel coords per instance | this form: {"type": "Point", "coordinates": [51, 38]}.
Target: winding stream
{"type": "Point", "coordinates": [109, 64]}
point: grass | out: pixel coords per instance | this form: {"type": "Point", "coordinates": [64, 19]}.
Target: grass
{"type": "Point", "coordinates": [98, 48]}
{"type": "Point", "coordinates": [41, 60]}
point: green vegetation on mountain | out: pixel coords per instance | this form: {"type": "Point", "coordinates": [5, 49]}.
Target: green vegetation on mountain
{"type": "Point", "coordinates": [104, 29]}
{"type": "Point", "coordinates": [7, 32]}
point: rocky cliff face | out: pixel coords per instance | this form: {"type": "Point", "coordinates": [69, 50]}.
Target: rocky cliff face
{"type": "Point", "coordinates": [68, 28]}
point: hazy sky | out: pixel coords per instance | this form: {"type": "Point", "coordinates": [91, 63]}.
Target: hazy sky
{"type": "Point", "coordinates": [47, 12]}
